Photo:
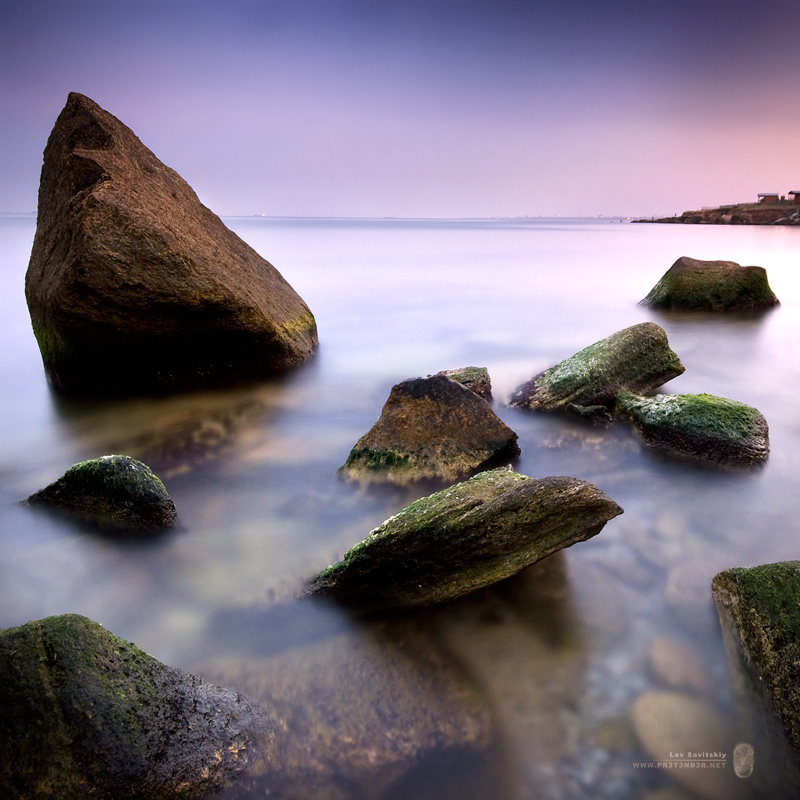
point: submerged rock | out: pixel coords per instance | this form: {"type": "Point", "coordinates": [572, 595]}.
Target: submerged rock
{"type": "Point", "coordinates": [690, 740]}
{"type": "Point", "coordinates": [476, 379]}
{"type": "Point", "coordinates": [465, 537]}
{"type": "Point", "coordinates": [87, 714]}
{"type": "Point", "coordinates": [759, 608]}
{"type": "Point", "coordinates": [700, 426]}
{"type": "Point", "coordinates": [362, 712]}
{"type": "Point", "coordinates": [431, 428]}
{"type": "Point", "coordinates": [133, 284]}
{"type": "Point", "coordinates": [637, 358]}
{"type": "Point", "coordinates": [114, 492]}
{"type": "Point", "coordinates": [690, 284]}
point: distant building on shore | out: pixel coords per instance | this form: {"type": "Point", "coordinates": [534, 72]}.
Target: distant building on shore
{"type": "Point", "coordinates": [768, 197]}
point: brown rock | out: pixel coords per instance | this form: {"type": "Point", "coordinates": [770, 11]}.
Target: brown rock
{"type": "Point", "coordinates": [431, 428]}
{"type": "Point", "coordinates": [133, 284]}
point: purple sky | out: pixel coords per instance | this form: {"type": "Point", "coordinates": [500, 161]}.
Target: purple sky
{"type": "Point", "coordinates": [421, 107]}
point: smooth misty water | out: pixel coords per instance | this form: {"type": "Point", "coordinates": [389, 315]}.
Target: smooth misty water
{"type": "Point", "coordinates": [556, 655]}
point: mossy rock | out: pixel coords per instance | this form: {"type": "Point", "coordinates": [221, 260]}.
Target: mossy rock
{"type": "Point", "coordinates": [476, 379]}
{"type": "Point", "coordinates": [114, 492]}
{"type": "Point", "coordinates": [700, 426]}
{"type": "Point", "coordinates": [87, 714]}
{"type": "Point", "coordinates": [462, 538]}
{"type": "Point", "coordinates": [761, 606]}
{"type": "Point", "coordinates": [431, 428]}
{"type": "Point", "coordinates": [637, 359]}
{"type": "Point", "coordinates": [694, 285]}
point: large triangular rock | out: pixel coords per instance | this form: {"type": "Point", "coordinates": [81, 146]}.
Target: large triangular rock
{"type": "Point", "coordinates": [133, 284]}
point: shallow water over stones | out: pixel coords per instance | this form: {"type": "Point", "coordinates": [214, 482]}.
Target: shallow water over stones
{"type": "Point", "coordinates": [553, 659]}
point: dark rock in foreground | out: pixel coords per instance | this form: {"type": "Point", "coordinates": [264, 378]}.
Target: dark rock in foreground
{"type": "Point", "coordinates": [759, 609]}
{"type": "Point", "coordinates": [700, 426]}
{"type": "Point", "coordinates": [430, 428]}
{"type": "Point", "coordinates": [113, 492]}
{"type": "Point", "coordinates": [691, 284]}
{"type": "Point", "coordinates": [465, 537]}
{"type": "Point", "coordinates": [134, 285]}
{"type": "Point", "coordinates": [637, 359]}
{"type": "Point", "coordinates": [87, 714]}
{"type": "Point", "coordinates": [476, 379]}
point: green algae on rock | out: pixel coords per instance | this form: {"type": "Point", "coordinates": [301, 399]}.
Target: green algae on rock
{"type": "Point", "coordinates": [637, 358]}
{"type": "Point", "coordinates": [701, 426]}
{"type": "Point", "coordinates": [430, 428]}
{"type": "Point", "coordinates": [462, 538]}
{"type": "Point", "coordinates": [476, 379]}
{"type": "Point", "coordinates": [690, 284]}
{"type": "Point", "coordinates": [759, 611]}
{"type": "Point", "coordinates": [88, 714]}
{"type": "Point", "coordinates": [114, 492]}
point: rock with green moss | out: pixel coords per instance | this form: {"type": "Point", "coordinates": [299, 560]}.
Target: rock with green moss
{"type": "Point", "coordinates": [87, 714]}
{"type": "Point", "coordinates": [462, 538]}
{"type": "Point", "coordinates": [700, 426]}
{"type": "Point", "coordinates": [637, 358]}
{"type": "Point", "coordinates": [694, 285]}
{"type": "Point", "coordinates": [476, 379]}
{"type": "Point", "coordinates": [759, 610]}
{"type": "Point", "coordinates": [112, 492]}
{"type": "Point", "coordinates": [431, 428]}
{"type": "Point", "coordinates": [134, 285]}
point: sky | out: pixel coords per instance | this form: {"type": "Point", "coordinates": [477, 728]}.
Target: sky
{"type": "Point", "coordinates": [421, 108]}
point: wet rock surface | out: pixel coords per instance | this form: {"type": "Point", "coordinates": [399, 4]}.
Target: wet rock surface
{"type": "Point", "coordinates": [87, 714]}
{"type": "Point", "coordinates": [114, 493]}
{"type": "Point", "coordinates": [462, 538]}
{"type": "Point", "coordinates": [692, 284]}
{"type": "Point", "coordinates": [431, 428]}
{"type": "Point", "coordinates": [700, 426]}
{"type": "Point", "coordinates": [476, 379]}
{"type": "Point", "coordinates": [637, 359]}
{"type": "Point", "coordinates": [134, 285]}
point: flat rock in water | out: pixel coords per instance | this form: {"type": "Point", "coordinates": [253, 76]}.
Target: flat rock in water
{"type": "Point", "coordinates": [134, 285]}
{"type": "Point", "coordinates": [87, 714]}
{"type": "Point", "coordinates": [113, 492]}
{"type": "Point", "coordinates": [465, 537]}
{"type": "Point", "coordinates": [700, 426]}
{"type": "Point", "coordinates": [431, 428]}
{"type": "Point", "coordinates": [694, 285]}
{"type": "Point", "coordinates": [762, 605]}
{"type": "Point", "coordinates": [637, 359]}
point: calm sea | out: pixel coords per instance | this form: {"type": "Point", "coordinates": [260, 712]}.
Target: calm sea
{"type": "Point", "coordinates": [558, 655]}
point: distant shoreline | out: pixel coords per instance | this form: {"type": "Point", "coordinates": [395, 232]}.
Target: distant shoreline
{"type": "Point", "coordinates": [783, 213]}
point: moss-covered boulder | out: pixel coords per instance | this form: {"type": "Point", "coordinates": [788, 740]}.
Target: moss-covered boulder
{"type": "Point", "coordinates": [476, 379]}
{"type": "Point", "coordinates": [637, 358]}
{"type": "Point", "coordinates": [694, 285]}
{"type": "Point", "coordinates": [134, 285]}
{"type": "Point", "coordinates": [87, 714]}
{"type": "Point", "coordinates": [700, 426]}
{"type": "Point", "coordinates": [465, 537]}
{"type": "Point", "coordinates": [759, 614]}
{"type": "Point", "coordinates": [430, 428]}
{"type": "Point", "coordinates": [115, 493]}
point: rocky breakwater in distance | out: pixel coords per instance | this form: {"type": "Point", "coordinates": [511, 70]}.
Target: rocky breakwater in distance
{"type": "Point", "coordinates": [694, 285]}
{"type": "Point", "coordinates": [115, 494]}
{"type": "Point", "coordinates": [739, 214]}
{"type": "Point", "coordinates": [87, 714]}
{"type": "Point", "coordinates": [637, 359]}
{"type": "Point", "coordinates": [463, 538]}
{"type": "Point", "coordinates": [134, 285]}
{"type": "Point", "coordinates": [431, 428]}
